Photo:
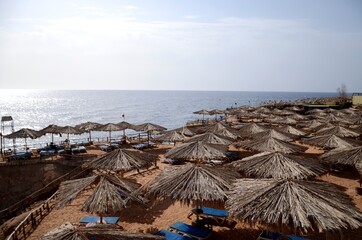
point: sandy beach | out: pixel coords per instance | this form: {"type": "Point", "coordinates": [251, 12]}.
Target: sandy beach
{"type": "Point", "coordinates": [161, 214]}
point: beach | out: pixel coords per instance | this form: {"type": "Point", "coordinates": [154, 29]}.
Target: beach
{"type": "Point", "coordinates": [161, 212]}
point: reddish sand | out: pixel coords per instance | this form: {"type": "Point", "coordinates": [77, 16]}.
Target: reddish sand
{"type": "Point", "coordinates": [162, 214]}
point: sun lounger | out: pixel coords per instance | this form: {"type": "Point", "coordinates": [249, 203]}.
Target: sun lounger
{"type": "Point", "coordinates": [192, 231]}
{"type": "Point", "coordinates": [170, 161]}
{"type": "Point", "coordinates": [21, 155]}
{"type": "Point", "coordinates": [106, 148]}
{"type": "Point", "coordinates": [265, 235]}
{"type": "Point", "coordinates": [45, 153]}
{"type": "Point", "coordinates": [172, 235]}
{"type": "Point", "coordinates": [96, 219]}
{"type": "Point", "coordinates": [214, 212]}
{"type": "Point", "coordinates": [213, 217]}
{"type": "Point", "coordinates": [139, 146]}
{"type": "Point", "coordinates": [80, 149]}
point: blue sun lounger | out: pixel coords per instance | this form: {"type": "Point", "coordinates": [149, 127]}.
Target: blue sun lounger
{"type": "Point", "coordinates": [96, 219]}
{"type": "Point", "coordinates": [172, 235]}
{"type": "Point", "coordinates": [105, 148]}
{"type": "Point", "coordinates": [214, 212]}
{"type": "Point", "coordinates": [192, 231]}
{"type": "Point", "coordinates": [265, 235]}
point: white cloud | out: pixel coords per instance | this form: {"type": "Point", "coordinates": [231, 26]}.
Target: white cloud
{"type": "Point", "coordinates": [106, 51]}
{"type": "Point", "coordinates": [191, 17]}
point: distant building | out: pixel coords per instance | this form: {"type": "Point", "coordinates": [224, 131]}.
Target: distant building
{"type": "Point", "coordinates": [357, 99]}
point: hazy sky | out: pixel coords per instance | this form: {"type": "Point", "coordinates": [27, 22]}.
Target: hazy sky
{"type": "Point", "coordinates": [254, 45]}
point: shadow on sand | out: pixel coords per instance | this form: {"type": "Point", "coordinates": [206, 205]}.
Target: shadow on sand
{"type": "Point", "coordinates": [138, 214]}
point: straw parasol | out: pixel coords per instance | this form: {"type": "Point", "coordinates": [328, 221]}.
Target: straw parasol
{"type": "Point", "coordinates": [297, 116]}
{"type": "Point", "coordinates": [123, 160]}
{"type": "Point", "coordinates": [274, 134]}
{"type": "Point", "coordinates": [148, 127]}
{"type": "Point", "coordinates": [216, 112]}
{"type": "Point", "coordinates": [347, 156]}
{"type": "Point", "coordinates": [197, 151]}
{"type": "Point", "coordinates": [192, 182]}
{"type": "Point", "coordinates": [312, 124]}
{"type": "Point", "coordinates": [124, 125]}
{"type": "Point", "coordinates": [332, 118]}
{"type": "Point", "coordinates": [294, 109]}
{"type": "Point", "coordinates": [203, 112]}
{"type": "Point", "coordinates": [109, 196]}
{"type": "Point", "coordinates": [292, 130]}
{"type": "Point", "coordinates": [24, 133]}
{"type": "Point", "coordinates": [329, 141]}
{"type": "Point", "coordinates": [109, 127]}
{"type": "Point", "coordinates": [173, 136]}
{"type": "Point", "coordinates": [296, 205]}
{"type": "Point", "coordinates": [287, 120]}
{"type": "Point", "coordinates": [210, 138]}
{"type": "Point", "coordinates": [88, 127]}
{"type": "Point", "coordinates": [185, 131]}
{"type": "Point", "coordinates": [271, 144]}
{"type": "Point", "coordinates": [358, 166]}
{"type": "Point", "coordinates": [278, 165]}
{"type": "Point", "coordinates": [322, 127]}
{"type": "Point", "coordinates": [53, 129]}
{"type": "Point", "coordinates": [69, 231]}
{"type": "Point", "coordinates": [339, 131]}
{"type": "Point", "coordinates": [222, 130]}
{"type": "Point", "coordinates": [70, 130]}
{"type": "Point", "coordinates": [250, 129]}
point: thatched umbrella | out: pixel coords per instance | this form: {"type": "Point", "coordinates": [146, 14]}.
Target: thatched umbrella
{"type": "Point", "coordinates": [329, 141]}
{"type": "Point", "coordinates": [339, 131]}
{"type": "Point", "coordinates": [346, 156]}
{"type": "Point", "coordinates": [24, 133]}
{"type": "Point", "coordinates": [288, 120]}
{"type": "Point", "coordinates": [279, 165]}
{"type": "Point", "coordinates": [70, 130]}
{"type": "Point", "coordinates": [332, 118]}
{"type": "Point", "coordinates": [322, 127]}
{"type": "Point", "coordinates": [210, 138]}
{"type": "Point", "coordinates": [358, 166]}
{"type": "Point", "coordinates": [185, 131]}
{"type": "Point", "coordinates": [251, 128]}
{"type": "Point", "coordinates": [271, 145]}
{"type": "Point", "coordinates": [293, 108]}
{"type": "Point", "coordinates": [110, 193]}
{"type": "Point", "coordinates": [88, 127]}
{"type": "Point", "coordinates": [192, 182]}
{"type": "Point", "coordinates": [203, 112]}
{"type": "Point", "coordinates": [125, 125]}
{"type": "Point", "coordinates": [109, 127]}
{"type": "Point", "coordinates": [215, 112]}
{"type": "Point", "coordinates": [298, 116]}
{"type": "Point", "coordinates": [312, 124]}
{"type": "Point", "coordinates": [173, 136]}
{"type": "Point", "coordinates": [53, 129]}
{"type": "Point", "coordinates": [292, 130]}
{"type": "Point", "coordinates": [68, 231]}
{"type": "Point", "coordinates": [222, 130]}
{"type": "Point", "coordinates": [123, 160]}
{"type": "Point", "coordinates": [148, 127]}
{"type": "Point", "coordinates": [274, 133]}
{"type": "Point", "coordinates": [197, 151]}
{"type": "Point", "coordinates": [299, 206]}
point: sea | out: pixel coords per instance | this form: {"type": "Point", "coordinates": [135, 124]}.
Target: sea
{"type": "Point", "coordinates": [37, 109]}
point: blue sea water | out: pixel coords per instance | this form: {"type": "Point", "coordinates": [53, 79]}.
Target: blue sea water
{"type": "Point", "coordinates": [37, 109]}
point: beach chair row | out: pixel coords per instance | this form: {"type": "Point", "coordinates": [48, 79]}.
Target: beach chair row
{"type": "Point", "coordinates": [184, 231]}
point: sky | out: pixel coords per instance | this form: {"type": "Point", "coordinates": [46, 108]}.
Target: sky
{"type": "Point", "coordinates": [209, 45]}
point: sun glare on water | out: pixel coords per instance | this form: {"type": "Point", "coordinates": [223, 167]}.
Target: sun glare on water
{"type": "Point", "coordinates": [5, 93]}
